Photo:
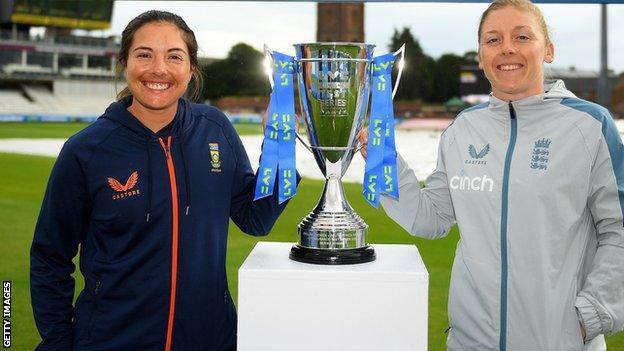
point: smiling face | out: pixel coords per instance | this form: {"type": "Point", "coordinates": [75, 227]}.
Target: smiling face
{"type": "Point", "coordinates": [158, 69]}
{"type": "Point", "coordinates": [512, 50]}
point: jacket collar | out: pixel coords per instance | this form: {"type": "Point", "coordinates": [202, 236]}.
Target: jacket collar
{"type": "Point", "coordinates": [554, 91]}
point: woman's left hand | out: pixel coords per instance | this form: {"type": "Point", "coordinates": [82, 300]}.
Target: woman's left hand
{"type": "Point", "coordinates": [362, 137]}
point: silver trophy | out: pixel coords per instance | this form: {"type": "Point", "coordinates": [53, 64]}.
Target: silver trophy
{"type": "Point", "coordinates": [334, 90]}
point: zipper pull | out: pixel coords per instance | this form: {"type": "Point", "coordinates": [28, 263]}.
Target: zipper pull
{"type": "Point", "coordinates": [512, 111]}
{"type": "Point", "coordinates": [166, 147]}
{"type": "Point", "coordinates": [97, 287]}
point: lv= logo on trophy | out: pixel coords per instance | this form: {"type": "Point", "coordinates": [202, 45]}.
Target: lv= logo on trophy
{"type": "Point", "coordinates": [337, 82]}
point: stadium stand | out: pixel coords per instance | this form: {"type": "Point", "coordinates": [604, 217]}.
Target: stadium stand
{"type": "Point", "coordinates": [55, 74]}
{"type": "Point", "coordinates": [13, 102]}
{"type": "Point", "coordinates": [70, 100]}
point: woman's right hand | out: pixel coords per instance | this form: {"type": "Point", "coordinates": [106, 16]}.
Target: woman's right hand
{"type": "Point", "coordinates": [363, 139]}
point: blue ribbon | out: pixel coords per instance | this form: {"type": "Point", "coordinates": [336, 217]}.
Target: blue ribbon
{"type": "Point", "coordinates": [278, 148]}
{"type": "Point", "coordinates": [380, 174]}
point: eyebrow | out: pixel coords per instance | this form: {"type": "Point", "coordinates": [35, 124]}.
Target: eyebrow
{"type": "Point", "coordinates": [150, 49]}
{"type": "Point", "coordinates": [515, 28]}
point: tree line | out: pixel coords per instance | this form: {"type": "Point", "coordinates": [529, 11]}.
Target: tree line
{"type": "Point", "coordinates": [425, 78]}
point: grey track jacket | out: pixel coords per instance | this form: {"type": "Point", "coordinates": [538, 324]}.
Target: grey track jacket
{"type": "Point", "coordinates": [537, 190]}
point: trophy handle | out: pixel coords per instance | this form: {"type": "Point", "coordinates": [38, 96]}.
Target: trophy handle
{"type": "Point", "coordinates": [401, 52]}
{"type": "Point", "coordinates": [268, 69]}
{"type": "Point", "coordinates": [268, 64]}
{"type": "Point", "coordinates": [304, 143]}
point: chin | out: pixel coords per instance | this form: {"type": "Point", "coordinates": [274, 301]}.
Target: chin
{"type": "Point", "coordinates": [160, 106]}
{"type": "Point", "coordinates": [508, 88]}
{"type": "Point", "coordinates": [157, 105]}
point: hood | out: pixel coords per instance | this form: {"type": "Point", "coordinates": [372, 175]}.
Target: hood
{"type": "Point", "coordinates": [556, 89]}
{"type": "Point", "coordinates": [553, 90]}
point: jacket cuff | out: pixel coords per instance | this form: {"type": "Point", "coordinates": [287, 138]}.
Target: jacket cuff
{"type": "Point", "coordinates": [588, 316]}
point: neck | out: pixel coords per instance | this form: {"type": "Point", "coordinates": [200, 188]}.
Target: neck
{"type": "Point", "coordinates": [515, 96]}
{"type": "Point", "coordinates": [154, 120]}
{"type": "Point", "coordinates": [536, 88]}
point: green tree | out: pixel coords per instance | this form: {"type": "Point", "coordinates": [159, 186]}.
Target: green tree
{"type": "Point", "coordinates": [240, 73]}
{"type": "Point", "coordinates": [446, 78]}
{"type": "Point", "coordinates": [471, 58]}
{"type": "Point", "coordinates": [417, 79]}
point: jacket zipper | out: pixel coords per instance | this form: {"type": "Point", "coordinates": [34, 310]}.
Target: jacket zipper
{"type": "Point", "coordinates": [174, 239]}
{"type": "Point", "coordinates": [503, 232]}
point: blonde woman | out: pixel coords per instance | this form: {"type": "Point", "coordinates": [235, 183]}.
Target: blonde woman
{"type": "Point", "coordinates": [534, 179]}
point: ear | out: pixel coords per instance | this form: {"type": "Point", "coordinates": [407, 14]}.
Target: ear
{"type": "Point", "coordinates": [550, 53]}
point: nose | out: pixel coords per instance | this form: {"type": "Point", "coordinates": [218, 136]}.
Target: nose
{"type": "Point", "coordinates": [508, 48]}
{"type": "Point", "coordinates": [159, 66]}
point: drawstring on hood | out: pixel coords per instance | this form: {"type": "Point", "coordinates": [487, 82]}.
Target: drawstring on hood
{"type": "Point", "coordinates": [118, 112]}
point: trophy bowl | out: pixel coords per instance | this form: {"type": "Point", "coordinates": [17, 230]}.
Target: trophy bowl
{"type": "Point", "coordinates": [334, 91]}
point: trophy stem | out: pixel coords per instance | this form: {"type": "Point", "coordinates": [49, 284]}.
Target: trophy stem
{"type": "Point", "coordinates": [333, 198]}
{"type": "Point", "coordinates": [335, 226]}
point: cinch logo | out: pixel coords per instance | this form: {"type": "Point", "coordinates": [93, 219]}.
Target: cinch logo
{"type": "Point", "coordinates": [124, 190]}
{"type": "Point", "coordinates": [472, 184]}
{"type": "Point", "coordinates": [477, 156]}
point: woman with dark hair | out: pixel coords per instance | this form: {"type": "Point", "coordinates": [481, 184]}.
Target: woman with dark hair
{"type": "Point", "coordinates": [146, 193]}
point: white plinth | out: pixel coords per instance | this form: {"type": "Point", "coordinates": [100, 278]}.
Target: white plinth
{"type": "Point", "coordinates": [287, 305]}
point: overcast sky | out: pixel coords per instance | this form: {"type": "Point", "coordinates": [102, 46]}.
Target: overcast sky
{"type": "Point", "coordinates": [439, 27]}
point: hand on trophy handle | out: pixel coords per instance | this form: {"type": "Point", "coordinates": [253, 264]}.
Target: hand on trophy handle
{"type": "Point", "coordinates": [362, 138]}
{"type": "Point", "coordinates": [362, 135]}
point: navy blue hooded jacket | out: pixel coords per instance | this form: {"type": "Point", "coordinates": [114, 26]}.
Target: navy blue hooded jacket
{"type": "Point", "coordinates": [150, 213]}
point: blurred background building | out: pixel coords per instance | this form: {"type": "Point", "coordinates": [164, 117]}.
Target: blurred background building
{"type": "Point", "coordinates": [340, 22]}
{"type": "Point", "coordinates": [53, 69]}
{"type": "Point", "coordinates": [46, 71]}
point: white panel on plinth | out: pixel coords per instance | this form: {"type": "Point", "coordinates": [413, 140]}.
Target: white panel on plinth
{"type": "Point", "coordinates": [288, 305]}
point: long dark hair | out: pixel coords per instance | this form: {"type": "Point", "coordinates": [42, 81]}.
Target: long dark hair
{"type": "Point", "coordinates": [127, 36]}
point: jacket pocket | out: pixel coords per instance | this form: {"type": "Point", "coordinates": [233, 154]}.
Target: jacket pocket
{"type": "Point", "coordinates": [572, 325]}
{"type": "Point", "coordinates": [229, 306]}
{"type": "Point", "coordinates": [86, 309]}
{"type": "Point", "coordinates": [96, 297]}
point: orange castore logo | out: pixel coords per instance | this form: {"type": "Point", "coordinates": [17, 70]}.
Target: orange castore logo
{"type": "Point", "coordinates": [123, 190]}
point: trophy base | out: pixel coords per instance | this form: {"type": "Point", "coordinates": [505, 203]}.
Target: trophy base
{"type": "Point", "coordinates": [332, 257]}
